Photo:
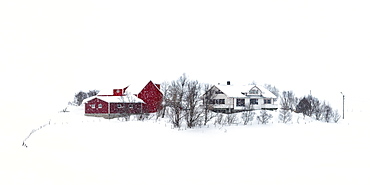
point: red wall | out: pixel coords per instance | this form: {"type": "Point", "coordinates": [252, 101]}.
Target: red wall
{"type": "Point", "coordinates": [150, 94]}
{"type": "Point", "coordinates": [135, 108]}
{"type": "Point", "coordinates": [152, 97]}
{"type": "Point", "coordinates": [96, 110]}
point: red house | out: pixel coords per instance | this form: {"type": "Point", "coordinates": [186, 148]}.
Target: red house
{"type": "Point", "coordinates": [133, 99]}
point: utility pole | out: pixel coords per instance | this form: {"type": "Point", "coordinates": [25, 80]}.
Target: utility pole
{"type": "Point", "coordinates": [343, 104]}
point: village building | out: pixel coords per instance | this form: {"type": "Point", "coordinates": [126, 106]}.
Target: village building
{"type": "Point", "coordinates": [132, 99]}
{"type": "Point", "coordinates": [236, 98]}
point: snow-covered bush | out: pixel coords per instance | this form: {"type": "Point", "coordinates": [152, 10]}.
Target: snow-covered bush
{"type": "Point", "coordinates": [336, 116]}
{"type": "Point", "coordinates": [248, 116]}
{"type": "Point", "coordinates": [264, 117]}
{"type": "Point", "coordinates": [231, 118]}
{"type": "Point", "coordinates": [219, 119]}
{"type": "Point", "coordinates": [285, 115]}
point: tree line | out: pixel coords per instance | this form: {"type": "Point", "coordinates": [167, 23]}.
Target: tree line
{"type": "Point", "coordinates": [80, 96]}
{"type": "Point", "coordinates": [308, 106]}
{"type": "Point", "coordinates": [182, 102]}
{"type": "Point", "coordinates": [189, 101]}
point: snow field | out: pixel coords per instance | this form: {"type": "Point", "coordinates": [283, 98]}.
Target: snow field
{"type": "Point", "coordinates": [75, 149]}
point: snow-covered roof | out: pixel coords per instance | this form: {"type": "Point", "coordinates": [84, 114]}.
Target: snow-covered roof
{"type": "Point", "coordinates": [87, 99]}
{"type": "Point", "coordinates": [117, 99]}
{"type": "Point", "coordinates": [232, 90]}
{"type": "Point", "coordinates": [237, 90]}
{"type": "Point", "coordinates": [133, 88]}
{"type": "Point", "coordinates": [129, 95]}
{"type": "Point", "coordinates": [106, 92]}
{"type": "Point", "coordinates": [266, 93]}
{"type": "Point", "coordinates": [137, 87]}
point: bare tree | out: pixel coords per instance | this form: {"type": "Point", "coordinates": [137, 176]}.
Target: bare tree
{"type": "Point", "coordinates": [328, 113]}
{"type": "Point", "coordinates": [223, 119]}
{"type": "Point", "coordinates": [319, 110]}
{"type": "Point", "coordinates": [164, 88]}
{"type": "Point", "coordinates": [285, 115]}
{"type": "Point", "coordinates": [231, 118]}
{"type": "Point", "coordinates": [79, 97]}
{"type": "Point", "coordinates": [286, 103]}
{"type": "Point", "coordinates": [92, 93]}
{"type": "Point", "coordinates": [219, 119]}
{"type": "Point", "coordinates": [207, 97]}
{"type": "Point", "coordinates": [315, 104]}
{"type": "Point", "coordinates": [192, 100]}
{"type": "Point", "coordinates": [248, 114]}
{"type": "Point", "coordinates": [176, 92]}
{"type": "Point", "coordinates": [288, 100]}
{"type": "Point", "coordinates": [264, 117]}
{"type": "Point", "coordinates": [336, 116]}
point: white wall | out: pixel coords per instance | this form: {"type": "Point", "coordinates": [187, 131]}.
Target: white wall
{"type": "Point", "coordinates": [229, 102]}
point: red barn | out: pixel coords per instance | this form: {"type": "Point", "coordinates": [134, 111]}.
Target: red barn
{"type": "Point", "coordinates": [152, 96]}
{"type": "Point", "coordinates": [133, 99]}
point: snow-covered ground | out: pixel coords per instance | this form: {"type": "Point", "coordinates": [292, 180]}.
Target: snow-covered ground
{"type": "Point", "coordinates": [74, 149]}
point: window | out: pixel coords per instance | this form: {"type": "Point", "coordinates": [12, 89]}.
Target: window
{"type": "Point", "coordinates": [254, 101]}
{"type": "Point", "coordinates": [240, 102]}
{"type": "Point", "coordinates": [92, 106]}
{"type": "Point", "coordinates": [267, 101]}
{"type": "Point", "coordinates": [220, 101]}
{"type": "Point", "coordinates": [253, 91]}
{"type": "Point", "coordinates": [119, 106]}
{"type": "Point", "coordinates": [217, 101]}
{"type": "Point", "coordinates": [130, 106]}
{"type": "Point", "coordinates": [100, 106]}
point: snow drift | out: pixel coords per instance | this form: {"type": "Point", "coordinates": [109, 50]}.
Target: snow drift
{"type": "Point", "coordinates": [74, 149]}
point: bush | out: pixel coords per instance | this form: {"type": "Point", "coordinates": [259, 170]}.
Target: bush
{"type": "Point", "coordinates": [285, 115]}
{"type": "Point", "coordinates": [264, 117]}
{"type": "Point", "coordinates": [248, 116]}
{"type": "Point", "coordinates": [336, 116]}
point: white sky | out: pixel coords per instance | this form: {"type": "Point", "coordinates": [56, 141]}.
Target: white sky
{"type": "Point", "coordinates": [51, 49]}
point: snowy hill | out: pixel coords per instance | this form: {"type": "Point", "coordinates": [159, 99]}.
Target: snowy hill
{"type": "Point", "coordinates": [74, 149]}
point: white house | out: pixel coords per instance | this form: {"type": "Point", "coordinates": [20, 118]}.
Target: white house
{"type": "Point", "coordinates": [235, 98]}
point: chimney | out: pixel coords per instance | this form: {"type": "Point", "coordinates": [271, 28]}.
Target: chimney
{"type": "Point", "coordinates": [228, 83]}
{"type": "Point", "coordinates": [117, 92]}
